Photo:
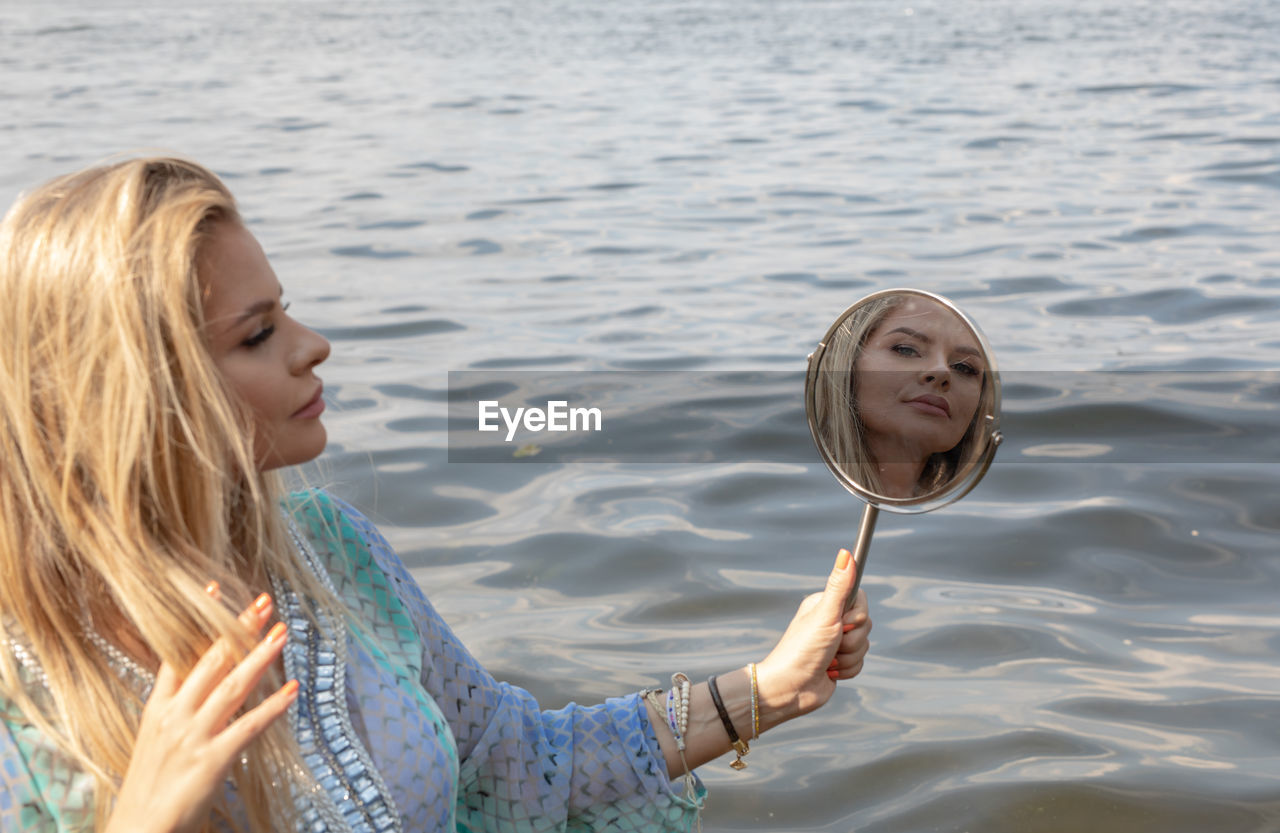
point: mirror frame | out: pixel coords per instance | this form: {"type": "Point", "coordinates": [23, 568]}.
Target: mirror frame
{"type": "Point", "coordinates": [962, 484]}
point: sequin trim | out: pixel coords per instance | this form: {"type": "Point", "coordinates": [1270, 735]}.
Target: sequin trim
{"type": "Point", "coordinates": [355, 796]}
{"type": "Point", "coordinates": [28, 661]}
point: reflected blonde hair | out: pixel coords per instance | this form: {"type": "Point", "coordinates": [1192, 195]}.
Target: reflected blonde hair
{"type": "Point", "coordinates": [836, 406]}
{"type": "Point", "coordinates": [127, 474]}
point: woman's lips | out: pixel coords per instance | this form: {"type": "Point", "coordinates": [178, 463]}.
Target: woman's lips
{"type": "Point", "coordinates": [930, 404]}
{"type": "Point", "coordinates": [313, 408]}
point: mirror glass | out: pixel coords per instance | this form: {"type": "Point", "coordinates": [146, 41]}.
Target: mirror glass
{"type": "Point", "coordinates": [903, 399]}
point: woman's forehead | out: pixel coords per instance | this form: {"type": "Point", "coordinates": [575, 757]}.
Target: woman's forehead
{"type": "Point", "coordinates": [924, 312]}
{"type": "Point", "coordinates": [232, 266]}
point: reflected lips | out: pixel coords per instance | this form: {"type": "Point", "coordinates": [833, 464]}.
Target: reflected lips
{"type": "Point", "coordinates": [313, 408]}
{"type": "Point", "coordinates": [931, 404]}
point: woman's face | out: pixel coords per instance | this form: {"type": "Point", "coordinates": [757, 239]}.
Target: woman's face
{"type": "Point", "coordinates": [267, 358]}
{"type": "Point", "coordinates": [919, 379]}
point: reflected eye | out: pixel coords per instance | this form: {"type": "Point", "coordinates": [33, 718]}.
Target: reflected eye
{"type": "Point", "coordinates": [966, 369]}
{"type": "Point", "coordinates": [905, 350]}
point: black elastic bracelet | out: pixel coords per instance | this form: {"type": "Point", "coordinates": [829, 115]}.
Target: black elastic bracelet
{"type": "Point", "coordinates": [739, 745]}
{"type": "Point", "coordinates": [724, 713]}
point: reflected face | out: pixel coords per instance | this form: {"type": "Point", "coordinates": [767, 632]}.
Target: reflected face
{"type": "Point", "coordinates": [919, 379]}
{"type": "Point", "coordinates": [266, 357]}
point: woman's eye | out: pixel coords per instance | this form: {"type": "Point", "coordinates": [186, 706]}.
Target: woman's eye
{"type": "Point", "coordinates": [905, 350]}
{"type": "Point", "coordinates": [965, 369]}
{"type": "Point", "coordinates": [260, 336]}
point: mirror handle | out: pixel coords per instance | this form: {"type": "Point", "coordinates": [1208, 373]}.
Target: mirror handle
{"type": "Point", "coordinates": [861, 548]}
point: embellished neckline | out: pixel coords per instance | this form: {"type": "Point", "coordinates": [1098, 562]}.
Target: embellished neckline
{"type": "Point", "coordinates": [354, 795]}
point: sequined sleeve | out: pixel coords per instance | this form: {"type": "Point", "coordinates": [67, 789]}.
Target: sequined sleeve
{"type": "Point", "coordinates": [523, 769]}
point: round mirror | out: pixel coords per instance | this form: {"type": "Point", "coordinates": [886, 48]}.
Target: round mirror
{"type": "Point", "coordinates": [903, 400]}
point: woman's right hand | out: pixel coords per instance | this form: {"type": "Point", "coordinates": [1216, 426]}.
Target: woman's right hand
{"type": "Point", "coordinates": [187, 739]}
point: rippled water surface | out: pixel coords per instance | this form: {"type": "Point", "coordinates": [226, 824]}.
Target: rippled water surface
{"type": "Point", "coordinates": [1086, 642]}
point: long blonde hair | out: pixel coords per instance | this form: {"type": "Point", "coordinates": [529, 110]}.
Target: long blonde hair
{"type": "Point", "coordinates": [836, 405]}
{"type": "Point", "coordinates": [127, 473]}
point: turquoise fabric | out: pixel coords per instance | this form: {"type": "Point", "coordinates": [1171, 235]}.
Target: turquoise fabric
{"type": "Point", "coordinates": [456, 749]}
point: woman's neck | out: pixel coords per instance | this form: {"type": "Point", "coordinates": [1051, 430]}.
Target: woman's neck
{"type": "Point", "coordinates": [900, 474]}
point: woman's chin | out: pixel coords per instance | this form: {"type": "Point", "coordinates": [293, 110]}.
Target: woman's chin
{"type": "Point", "coordinates": [300, 450]}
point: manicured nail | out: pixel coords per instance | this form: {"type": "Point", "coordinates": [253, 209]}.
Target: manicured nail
{"type": "Point", "coordinates": [212, 589]}
{"type": "Point", "coordinates": [849, 626]}
{"type": "Point", "coordinates": [261, 603]}
{"type": "Point", "coordinates": [834, 664]}
{"type": "Point", "coordinates": [833, 674]}
{"type": "Point", "coordinates": [290, 690]}
{"type": "Point", "coordinates": [276, 633]}
{"type": "Point", "coordinates": [842, 559]}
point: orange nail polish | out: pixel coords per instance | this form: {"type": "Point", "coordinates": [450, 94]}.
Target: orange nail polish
{"type": "Point", "coordinates": [842, 559]}
{"type": "Point", "coordinates": [212, 589]}
{"type": "Point", "coordinates": [290, 689]}
{"type": "Point", "coordinates": [261, 603]}
{"type": "Point", "coordinates": [833, 674]}
{"type": "Point", "coordinates": [850, 626]}
{"type": "Point", "coordinates": [276, 633]}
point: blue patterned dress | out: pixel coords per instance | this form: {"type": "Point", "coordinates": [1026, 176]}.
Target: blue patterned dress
{"type": "Point", "coordinates": [400, 726]}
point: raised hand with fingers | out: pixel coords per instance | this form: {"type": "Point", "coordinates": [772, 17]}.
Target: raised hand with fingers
{"type": "Point", "coordinates": [823, 643]}
{"type": "Point", "coordinates": [187, 739]}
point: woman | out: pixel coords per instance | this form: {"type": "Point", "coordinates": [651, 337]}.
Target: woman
{"type": "Point", "coordinates": [151, 387]}
{"type": "Point", "coordinates": [902, 383]}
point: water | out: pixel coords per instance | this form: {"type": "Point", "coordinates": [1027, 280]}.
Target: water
{"type": "Point", "coordinates": [1085, 642]}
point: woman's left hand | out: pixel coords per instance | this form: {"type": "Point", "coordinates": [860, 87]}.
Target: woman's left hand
{"type": "Point", "coordinates": [823, 643]}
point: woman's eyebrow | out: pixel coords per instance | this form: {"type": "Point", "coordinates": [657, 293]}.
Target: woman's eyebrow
{"type": "Point", "coordinates": [967, 350]}
{"type": "Point", "coordinates": [912, 333]}
{"type": "Point", "coordinates": [257, 308]}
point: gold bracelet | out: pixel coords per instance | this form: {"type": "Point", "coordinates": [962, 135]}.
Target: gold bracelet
{"type": "Point", "coordinates": [755, 702]}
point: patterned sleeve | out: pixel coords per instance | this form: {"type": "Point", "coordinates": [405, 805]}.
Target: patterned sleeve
{"type": "Point", "coordinates": [40, 791]}
{"type": "Point", "coordinates": [522, 769]}
{"type": "Point", "coordinates": [17, 800]}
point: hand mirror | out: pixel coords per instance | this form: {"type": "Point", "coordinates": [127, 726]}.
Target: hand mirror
{"type": "Point", "coordinates": [903, 400]}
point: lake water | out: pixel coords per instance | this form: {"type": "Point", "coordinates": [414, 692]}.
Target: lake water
{"type": "Point", "coordinates": [1086, 642]}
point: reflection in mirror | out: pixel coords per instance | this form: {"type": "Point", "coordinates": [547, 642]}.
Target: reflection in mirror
{"type": "Point", "coordinates": [904, 398]}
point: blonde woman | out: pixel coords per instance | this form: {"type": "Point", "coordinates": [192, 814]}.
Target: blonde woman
{"type": "Point", "coordinates": [897, 400]}
{"type": "Point", "coordinates": [152, 384]}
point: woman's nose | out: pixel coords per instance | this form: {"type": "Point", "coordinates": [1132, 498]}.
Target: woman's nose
{"type": "Point", "coordinates": [939, 375]}
{"type": "Point", "coordinates": [313, 349]}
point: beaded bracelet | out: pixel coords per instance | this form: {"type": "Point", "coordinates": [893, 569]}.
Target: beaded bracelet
{"type": "Point", "coordinates": [672, 722]}
{"type": "Point", "coordinates": [678, 708]}
{"type": "Point", "coordinates": [673, 697]}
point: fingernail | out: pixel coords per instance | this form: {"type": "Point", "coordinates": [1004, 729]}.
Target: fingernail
{"type": "Point", "coordinates": [834, 664]}
{"type": "Point", "coordinates": [290, 689]}
{"type": "Point", "coordinates": [833, 674]}
{"type": "Point", "coordinates": [261, 603]}
{"type": "Point", "coordinates": [276, 633]}
{"type": "Point", "coordinates": [212, 589]}
{"type": "Point", "coordinates": [850, 626]}
{"type": "Point", "coordinates": [842, 559]}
